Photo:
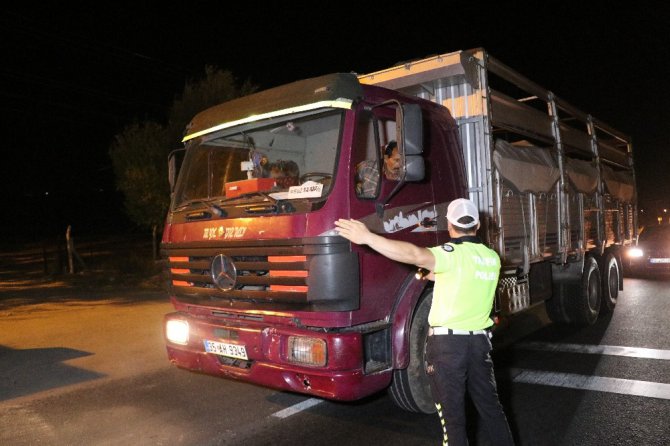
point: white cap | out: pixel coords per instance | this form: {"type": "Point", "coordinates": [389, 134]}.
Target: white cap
{"type": "Point", "coordinates": [460, 208]}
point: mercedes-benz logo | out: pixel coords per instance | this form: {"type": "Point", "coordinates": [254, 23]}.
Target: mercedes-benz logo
{"type": "Point", "coordinates": [224, 273]}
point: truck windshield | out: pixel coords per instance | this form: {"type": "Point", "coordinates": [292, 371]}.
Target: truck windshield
{"type": "Point", "coordinates": [265, 158]}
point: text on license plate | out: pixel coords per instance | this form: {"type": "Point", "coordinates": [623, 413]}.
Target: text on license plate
{"type": "Point", "coordinates": [223, 349]}
{"type": "Point", "coordinates": [662, 260]}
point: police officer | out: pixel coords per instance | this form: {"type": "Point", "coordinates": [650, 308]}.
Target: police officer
{"type": "Point", "coordinates": [458, 346]}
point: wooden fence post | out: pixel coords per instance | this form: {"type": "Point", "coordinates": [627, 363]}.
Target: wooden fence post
{"type": "Point", "coordinates": [71, 252]}
{"type": "Point", "coordinates": [70, 249]}
{"type": "Point", "coordinates": [154, 247]}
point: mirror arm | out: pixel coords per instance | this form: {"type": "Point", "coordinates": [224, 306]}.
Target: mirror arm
{"type": "Point", "coordinates": [381, 204]}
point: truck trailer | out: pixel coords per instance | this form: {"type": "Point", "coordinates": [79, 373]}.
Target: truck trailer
{"type": "Point", "coordinates": [266, 291]}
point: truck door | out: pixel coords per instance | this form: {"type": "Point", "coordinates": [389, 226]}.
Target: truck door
{"type": "Point", "coordinates": [409, 215]}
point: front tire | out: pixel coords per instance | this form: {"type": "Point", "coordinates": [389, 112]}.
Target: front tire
{"type": "Point", "coordinates": [410, 388]}
{"type": "Point", "coordinates": [556, 306]}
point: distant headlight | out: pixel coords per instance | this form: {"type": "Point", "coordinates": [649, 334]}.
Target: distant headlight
{"type": "Point", "coordinates": [635, 252]}
{"type": "Point", "coordinates": [177, 331]}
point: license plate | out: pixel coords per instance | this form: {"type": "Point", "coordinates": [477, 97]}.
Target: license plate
{"type": "Point", "coordinates": [659, 260]}
{"type": "Point", "coordinates": [223, 349]}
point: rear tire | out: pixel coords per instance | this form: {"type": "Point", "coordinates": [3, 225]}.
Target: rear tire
{"type": "Point", "coordinates": [611, 277]}
{"type": "Point", "coordinates": [410, 388]}
{"type": "Point", "coordinates": [585, 307]}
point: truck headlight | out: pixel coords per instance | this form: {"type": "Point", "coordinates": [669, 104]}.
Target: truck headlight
{"type": "Point", "coordinates": [307, 351]}
{"type": "Point", "coordinates": [635, 252]}
{"type": "Point", "coordinates": [176, 331]}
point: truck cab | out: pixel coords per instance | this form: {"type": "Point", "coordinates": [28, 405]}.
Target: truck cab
{"type": "Point", "coordinates": [264, 289]}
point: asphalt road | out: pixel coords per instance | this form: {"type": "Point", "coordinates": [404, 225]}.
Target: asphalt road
{"type": "Point", "coordinates": [89, 368]}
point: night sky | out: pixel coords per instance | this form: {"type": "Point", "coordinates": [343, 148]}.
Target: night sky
{"type": "Point", "coordinates": [71, 78]}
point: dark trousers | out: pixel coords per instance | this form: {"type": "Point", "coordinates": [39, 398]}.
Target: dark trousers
{"type": "Point", "coordinates": [455, 363]}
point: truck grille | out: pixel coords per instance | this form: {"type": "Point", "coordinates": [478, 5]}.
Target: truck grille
{"type": "Point", "coordinates": [258, 277]}
{"type": "Point", "coordinates": [282, 272]}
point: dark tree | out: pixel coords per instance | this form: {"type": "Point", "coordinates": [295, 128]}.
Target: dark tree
{"type": "Point", "coordinates": [139, 153]}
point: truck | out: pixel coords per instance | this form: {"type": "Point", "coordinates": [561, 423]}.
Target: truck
{"type": "Point", "coordinates": [265, 291]}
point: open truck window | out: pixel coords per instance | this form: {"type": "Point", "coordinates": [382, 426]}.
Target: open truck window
{"type": "Point", "coordinates": [369, 149]}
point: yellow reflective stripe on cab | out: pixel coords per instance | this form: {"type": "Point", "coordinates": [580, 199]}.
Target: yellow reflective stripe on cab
{"type": "Point", "coordinates": [337, 103]}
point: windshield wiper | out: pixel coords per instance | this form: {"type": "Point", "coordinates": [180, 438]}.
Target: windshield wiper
{"type": "Point", "coordinates": [214, 209]}
{"type": "Point", "coordinates": [249, 195]}
{"type": "Point", "coordinates": [268, 205]}
{"type": "Point", "coordinates": [279, 207]}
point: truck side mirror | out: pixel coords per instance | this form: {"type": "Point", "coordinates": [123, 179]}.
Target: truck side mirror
{"type": "Point", "coordinates": [411, 129]}
{"type": "Point", "coordinates": [174, 163]}
{"type": "Point", "coordinates": [415, 169]}
{"type": "Point", "coordinates": [409, 119]}
{"type": "Point", "coordinates": [409, 135]}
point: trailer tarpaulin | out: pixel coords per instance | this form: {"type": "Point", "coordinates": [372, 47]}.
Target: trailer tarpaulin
{"type": "Point", "coordinates": [583, 175]}
{"type": "Point", "coordinates": [528, 168]}
{"type": "Point", "coordinates": [620, 184]}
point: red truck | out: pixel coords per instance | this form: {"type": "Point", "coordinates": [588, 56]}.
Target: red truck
{"type": "Point", "coordinates": [264, 289]}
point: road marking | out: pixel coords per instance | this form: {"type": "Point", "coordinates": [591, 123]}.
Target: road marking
{"type": "Point", "coordinates": [612, 350]}
{"type": "Point", "coordinates": [568, 380]}
{"type": "Point", "coordinates": [285, 413]}
{"type": "Point", "coordinates": [597, 383]}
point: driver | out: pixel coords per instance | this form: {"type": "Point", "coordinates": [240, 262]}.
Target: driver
{"type": "Point", "coordinates": [367, 172]}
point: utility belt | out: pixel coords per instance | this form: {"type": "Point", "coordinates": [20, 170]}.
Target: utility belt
{"type": "Point", "coordinates": [432, 331]}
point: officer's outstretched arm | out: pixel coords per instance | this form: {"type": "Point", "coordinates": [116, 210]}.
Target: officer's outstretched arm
{"type": "Point", "coordinates": [357, 232]}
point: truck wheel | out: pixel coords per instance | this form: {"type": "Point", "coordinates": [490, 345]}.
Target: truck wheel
{"type": "Point", "coordinates": [555, 306]}
{"type": "Point", "coordinates": [410, 388]}
{"type": "Point", "coordinates": [611, 276]}
{"type": "Point", "coordinates": [586, 306]}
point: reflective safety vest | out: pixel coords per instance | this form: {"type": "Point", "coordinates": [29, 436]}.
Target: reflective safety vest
{"type": "Point", "coordinates": [466, 277]}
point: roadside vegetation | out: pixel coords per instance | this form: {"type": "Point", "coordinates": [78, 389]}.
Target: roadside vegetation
{"type": "Point", "coordinates": [140, 151]}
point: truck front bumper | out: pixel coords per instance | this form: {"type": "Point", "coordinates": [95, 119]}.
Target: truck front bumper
{"type": "Point", "coordinates": [268, 361]}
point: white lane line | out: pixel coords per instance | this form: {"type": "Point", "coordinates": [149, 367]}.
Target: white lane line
{"type": "Point", "coordinates": [285, 413]}
{"type": "Point", "coordinates": [612, 350]}
{"type": "Point", "coordinates": [597, 383]}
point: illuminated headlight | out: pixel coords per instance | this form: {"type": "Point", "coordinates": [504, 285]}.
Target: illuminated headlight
{"type": "Point", "coordinates": [635, 252]}
{"type": "Point", "coordinates": [176, 331]}
{"type": "Point", "coordinates": [307, 351]}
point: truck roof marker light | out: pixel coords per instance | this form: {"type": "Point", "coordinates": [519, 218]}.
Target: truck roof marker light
{"type": "Point", "coordinates": [337, 103]}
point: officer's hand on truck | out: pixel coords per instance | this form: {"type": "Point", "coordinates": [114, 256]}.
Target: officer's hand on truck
{"type": "Point", "coordinates": [357, 232]}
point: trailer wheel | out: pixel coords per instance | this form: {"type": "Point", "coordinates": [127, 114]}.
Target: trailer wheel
{"type": "Point", "coordinates": [586, 306]}
{"type": "Point", "coordinates": [410, 388]}
{"type": "Point", "coordinates": [611, 276]}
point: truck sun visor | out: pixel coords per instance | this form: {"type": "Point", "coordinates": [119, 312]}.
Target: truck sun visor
{"type": "Point", "coordinates": [335, 90]}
